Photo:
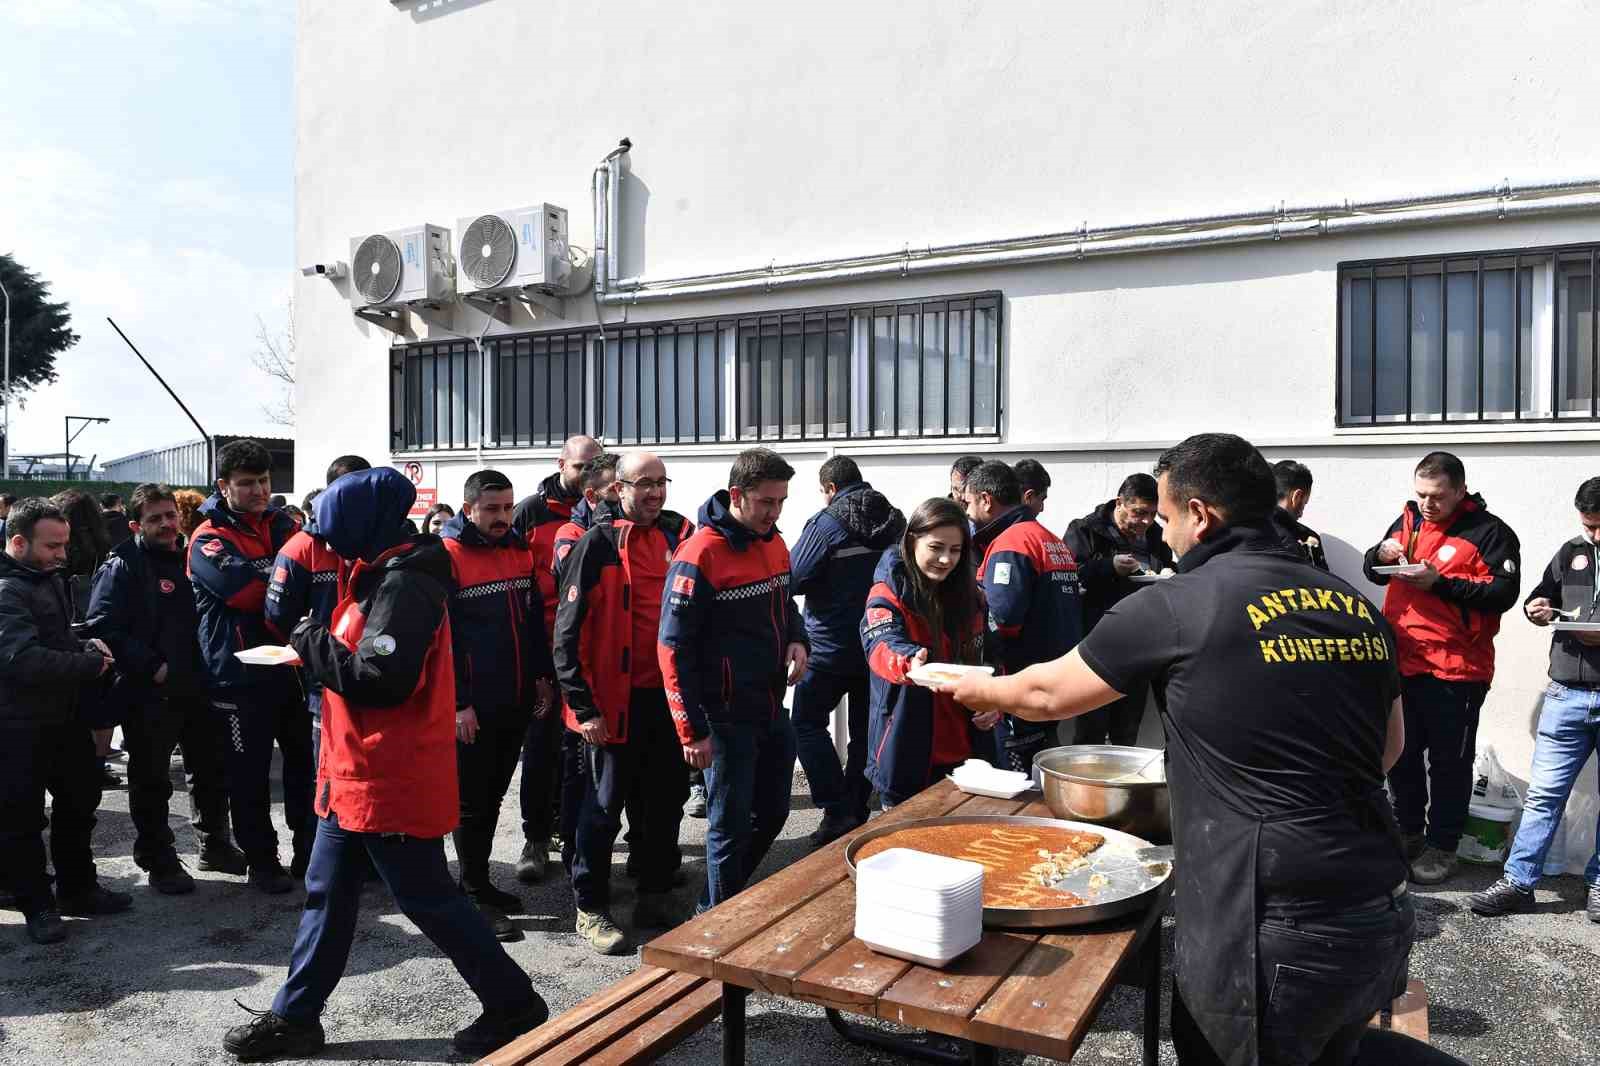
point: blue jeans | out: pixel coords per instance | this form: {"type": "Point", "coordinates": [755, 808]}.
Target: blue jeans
{"type": "Point", "coordinates": [838, 793]}
{"type": "Point", "coordinates": [415, 871]}
{"type": "Point", "coordinates": [748, 786]}
{"type": "Point", "coordinates": [1569, 732]}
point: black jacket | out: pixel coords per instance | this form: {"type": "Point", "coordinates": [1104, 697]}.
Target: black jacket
{"type": "Point", "coordinates": [1094, 540]}
{"type": "Point", "coordinates": [1571, 582]}
{"type": "Point", "coordinates": [42, 664]}
{"type": "Point", "coordinates": [142, 606]}
{"type": "Point", "coordinates": [832, 564]}
{"type": "Point", "coordinates": [1302, 537]}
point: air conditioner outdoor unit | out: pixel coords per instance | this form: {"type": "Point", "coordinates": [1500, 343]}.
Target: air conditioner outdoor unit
{"type": "Point", "coordinates": [506, 253]}
{"type": "Point", "coordinates": [402, 268]}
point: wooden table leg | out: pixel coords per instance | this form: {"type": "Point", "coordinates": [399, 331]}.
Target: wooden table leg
{"type": "Point", "coordinates": [733, 999]}
{"type": "Point", "coordinates": [1151, 954]}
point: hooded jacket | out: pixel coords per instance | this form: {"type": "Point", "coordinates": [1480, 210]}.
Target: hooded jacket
{"type": "Point", "coordinates": [1448, 630]}
{"type": "Point", "coordinates": [1031, 581]}
{"type": "Point", "coordinates": [230, 560]}
{"type": "Point", "coordinates": [540, 517]}
{"type": "Point", "coordinates": [1094, 541]}
{"type": "Point", "coordinates": [388, 754]}
{"type": "Point", "coordinates": [42, 664]}
{"type": "Point", "coordinates": [144, 611]}
{"type": "Point", "coordinates": [305, 580]}
{"type": "Point", "coordinates": [832, 566]}
{"type": "Point", "coordinates": [911, 729]}
{"type": "Point", "coordinates": [496, 620]}
{"type": "Point", "coordinates": [726, 624]}
{"type": "Point", "coordinates": [594, 623]}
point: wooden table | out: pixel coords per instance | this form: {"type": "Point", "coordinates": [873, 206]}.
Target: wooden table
{"type": "Point", "coordinates": [1032, 991]}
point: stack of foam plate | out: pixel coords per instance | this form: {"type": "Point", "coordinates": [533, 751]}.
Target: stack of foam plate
{"type": "Point", "coordinates": [982, 779]}
{"type": "Point", "coordinates": [921, 907]}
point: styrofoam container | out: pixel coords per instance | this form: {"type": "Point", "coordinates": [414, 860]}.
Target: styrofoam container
{"type": "Point", "coordinates": [927, 953]}
{"type": "Point", "coordinates": [915, 900]}
{"type": "Point", "coordinates": [919, 870]}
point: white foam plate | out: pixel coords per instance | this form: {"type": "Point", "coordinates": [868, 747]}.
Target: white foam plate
{"type": "Point", "coordinates": [269, 655]}
{"type": "Point", "coordinates": [1401, 569]}
{"type": "Point", "coordinates": [929, 675]}
{"type": "Point", "coordinates": [1575, 627]}
{"type": "Point", "coordinates": [1148, 579]}
{"type": "Point", "coordinates": [1003, 793]}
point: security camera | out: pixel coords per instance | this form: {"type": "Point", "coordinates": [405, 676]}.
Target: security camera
{"type": "Point", "coordinates": [331, 271]}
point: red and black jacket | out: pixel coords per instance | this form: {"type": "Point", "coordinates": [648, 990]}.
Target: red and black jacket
{"type": "Point", "coordinates": [726, 623]}
{"type": "Point", "coordinates": [539, 518]}
{"type": "Point", "coordinates": [594, 625]}
{"type": "Point", "coordinates": [305, 581]}
{"type": "Point", "coordinates": [1448, 630]}
{"type": "Point", "coordinates": [905, 718]}
{"type": "Point", "coordinates": [1031, 580]}
{"type": "Point", "coordinates": [230, 559]}
{"type": "Point", "coordinates": [496, 620]}
{"type": "Point", "coordinates": [567, 535]}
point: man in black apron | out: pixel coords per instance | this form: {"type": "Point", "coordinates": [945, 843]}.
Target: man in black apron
{"type": "Point", "coordinates": [1282, 714]}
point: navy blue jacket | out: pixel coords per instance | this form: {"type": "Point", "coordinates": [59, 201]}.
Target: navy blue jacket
{"type": "Point", "coordinates": [230, 559]}
{"type": "Point", "coordinates": [1031, 581]}
{"type": "Point", "coordinates": [148, 620]}
{"type": "Point", "coordinates": [832, 566]}
{"type": "Point", "coordinates": [496, 620]}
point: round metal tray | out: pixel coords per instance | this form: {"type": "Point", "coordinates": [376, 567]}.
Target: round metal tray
{"type": "Point", "coordinates": [1111, 904]}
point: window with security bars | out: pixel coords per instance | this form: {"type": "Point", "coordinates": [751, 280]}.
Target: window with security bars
{"type": "Point", "coordinates": [1500, 336]}
{"type": "Point", "coordinates": [436, 396]}
{"type": "Point", "coordinates": [539, 384]}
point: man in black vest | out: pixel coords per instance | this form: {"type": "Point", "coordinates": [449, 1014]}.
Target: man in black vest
{"type": "Point", "coordinates": [1294, 495]}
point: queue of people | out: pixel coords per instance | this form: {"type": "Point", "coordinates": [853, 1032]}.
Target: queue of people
{"type": "Point", "coordinates": [633, 664]}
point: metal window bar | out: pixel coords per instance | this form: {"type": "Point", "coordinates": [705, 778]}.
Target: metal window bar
{"type": "Point", "coordinates": [1594, 338]}
{"type": "Point", "coordinates": [1481, 359]}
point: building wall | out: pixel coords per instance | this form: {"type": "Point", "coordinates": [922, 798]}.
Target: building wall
{"type": "Point", "coordinates": [766, 136]}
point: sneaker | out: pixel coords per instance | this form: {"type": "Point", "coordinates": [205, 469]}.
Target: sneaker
{"type": "Point", "coordinates": [1416, 843]}
{"type": "Point", "coordinates": [1433, 866]}
{"type": "Point", "coordinates": [494, 1029]}
{"type": "Point", "coordinates": [656, 910]}
{"type": "Point", "coordinates": [833, 828]}
{"type": "Point", "coordinates": [503, 928]}
{"type": "Point", "coordinates": [224, 858]}
{"type": "Point", "coordinates": [532, 865]}
{"type": "Point", "coordinates": [601, 932]}
{"type": "Point", "coordinates": [1502, 897]}
{"type": "Point", "coordinates": [1592, 907]}
{"type": "Point", "coordinates": [486, 895]}
{"type": "Point", "coordinates": [45, 926]}
{"type": "Point", "coordinates": [97, 900]}
{"type": "Point", "coordinates": [171, 879]}
{"type": "Point", "coordinates": [696, 807]}
{"type": "Point", "coordinates": [272, 1036]}
{"type": "Point", "coordinates": [270, 877]}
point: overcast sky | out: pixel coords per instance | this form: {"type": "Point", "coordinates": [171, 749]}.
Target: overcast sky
{"type": "Point", "coordinates": [146, 172]}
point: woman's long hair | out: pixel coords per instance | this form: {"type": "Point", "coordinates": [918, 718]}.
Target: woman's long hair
{"type": "Point", "coordinates": [189, 516]}
{"type": "Point", "coordinates": [951, 605]}
{"type": "Point", "coordinates": [87, 542]}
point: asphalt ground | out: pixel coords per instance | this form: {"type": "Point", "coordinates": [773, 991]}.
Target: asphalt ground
{"type": "Point", "coordinates": [157, 985]}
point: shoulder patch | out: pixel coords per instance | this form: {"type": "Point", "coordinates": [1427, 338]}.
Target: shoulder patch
{"type": "Point", "coordinates": [683, 585]}
{"type": "Point", "coordinates": [1002, 573]}
{"type": "Point", "coordinates": [1447, 552]}
{"type": "Point", "coordinates": [211, 547]}
{"type": "Point", "coordinates": [281, 574]}
{"type": "Point", "coordinates": [878, 615]}
{"type": "Point", "coordinates": [1509, 566]}
{"type": "Point", "coordinates": [1579, 562]}
{"type": "Point", "coordinates": [383, 644]}
{"type": "Point", "coordinates": [572, 594]}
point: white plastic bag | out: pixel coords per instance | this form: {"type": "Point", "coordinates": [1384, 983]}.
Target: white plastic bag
{"type": "Point", "coordinates": [1491, 784]}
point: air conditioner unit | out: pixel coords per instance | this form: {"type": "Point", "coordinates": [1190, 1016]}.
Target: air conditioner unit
{"type": "Point", "coordinates": [402, 268]}
{"type": "Point", "coordinates": [509, 252]}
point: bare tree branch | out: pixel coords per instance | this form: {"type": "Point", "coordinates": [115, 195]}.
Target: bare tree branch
{"type": "Point", "coordinates": [274, 356]}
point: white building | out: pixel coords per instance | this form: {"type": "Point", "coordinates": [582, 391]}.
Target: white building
{"type": "Point", "coordinates": [848, 188]}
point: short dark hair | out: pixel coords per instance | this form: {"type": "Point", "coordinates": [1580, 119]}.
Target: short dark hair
{"type": "Point", "coordinates": [1222, 470]}
{"type": "Point", "coordinates": [7, 498]}
{"type": "Point", "coordinates": [1588, 498]}
{"type": "Point", "coordinates": [345, 464]}
{"type": "Point", "coordinates": [1031, 476]}
{"type": "Point", "coordinates": [998, 480]}
{"type": "Point", "coordinates": [1137, 487]}
{"type": "Point", "coordinates": [278, 501]}
{"type": "Point", "coordinates": [311, 498]}
{"type": "Point", "coordinates": [839, 471]}
{"type": "Point", "coordinates": [1290, 475]}
{"type": "Point", "coordinates": [149, 492]}
{"type": "Point", "coordinates": [601, 465]}
{"type": "Point", "coordinates": [244, 457]}
{"type": "Point", "coordinates": [966, 465]}
{"type": "Point", "coordinates": [753, 466]}
{"type": "Point", "coordinates": [28, 513]}
{"type": "Point", "coordinates": [484, 481]}
{"type": "Point", "coordinates": [1445, 465]}
{"type": "Point", "coordinates": [110, 501]}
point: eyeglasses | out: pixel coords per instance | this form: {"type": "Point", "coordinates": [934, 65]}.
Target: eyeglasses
{"type": "Point", "coordinates": [646, 484]}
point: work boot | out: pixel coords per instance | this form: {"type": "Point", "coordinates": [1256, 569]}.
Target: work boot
{"type": "Point", "coordinates": [832, 828]}
{"type": "Point", "coordinates": [696, 807]}
{"type": "Point", "coordinates": [1416, 843]}
{"type": "Point", "coordinates": [221, 856]}
{"type": "Point", "coordinates": [270, 877]}
{"type": "Point", "coordinates": [532, 865]}
{"type": "Point", "coordinates": [494, 1029]}
{"type": "Point", "coordinates": [1502, 897]}
{"type": "Point", "coordinates": [45, 926]}
{"type": "Point", "coordinates": [1592, 907]}
{"type": "Point", "coordinates": [486, 895]}
{"type": "Point", "coordinates": [601, 932]}
{"type": "Point", "coordinates": [1433, 866]}
{"type": "Point", "coordinates": [656, 910]}
{"type": "Point", "coordinates": [170, 878]}
{"type": "Point", "coordinates": [503, 928]}
{"type": "Point", "coordinates": [96, 900]}
{"type": "Point", "coordinates": [272, 1036]}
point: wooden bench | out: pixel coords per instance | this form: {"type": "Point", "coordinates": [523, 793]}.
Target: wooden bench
{"type": "Point", "coordinates": [636, 1020]}
{"type": "Point", "coordinates": [1408, 1014]}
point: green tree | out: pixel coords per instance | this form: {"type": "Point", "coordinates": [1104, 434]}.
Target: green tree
{"type": "Point", "coordinates": [40, 329]}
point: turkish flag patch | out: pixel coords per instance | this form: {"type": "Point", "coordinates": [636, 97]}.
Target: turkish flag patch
{"type": "Point", "coordinates": [683, 585]}
{"type": "Point", "coordinates": [281, 575]}
{"type": "Point", "coordinates": [211, 547]}
{"type": "Point", "coordinates": [878, 615]}
{"type": "Point", "coordinates": [167, 587]}
{"type": "Point", "coordinates": [572, 594]}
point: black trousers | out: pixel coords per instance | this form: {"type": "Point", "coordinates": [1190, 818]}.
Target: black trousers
{"type": "Point", "coordinates": [173, 718]}
{"type": "Point", "coordinates": [1441, 723]}
{"type": "Point", "coordinates": [485, 768]}
{"type": "Point", "coordinates": [647, 776]}
{"type": "Point", "coordinates": [1117, 722]}
{"type": "Point", "coordinates": [541, 792]}
{"type": "Point", "coordinates": [251, 720]}
{"type": "Point", "coordinates": [58, 759]}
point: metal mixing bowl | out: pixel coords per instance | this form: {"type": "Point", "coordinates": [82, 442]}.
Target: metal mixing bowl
{"type": "Point", "coordinates": [1078, 786]}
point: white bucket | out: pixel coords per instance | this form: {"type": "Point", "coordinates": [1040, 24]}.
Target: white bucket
{"type": "Point", "coordinates": [1486, 838]}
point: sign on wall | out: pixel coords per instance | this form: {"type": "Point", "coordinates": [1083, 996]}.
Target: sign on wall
{"type": "Point", "coordinates": [422, 475]}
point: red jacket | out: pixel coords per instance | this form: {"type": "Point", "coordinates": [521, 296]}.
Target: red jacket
{"type": "Point", "coordinates": [1448, 630]}
{"type": "Point", "coordinates": [594, 626]}
{"type": "Point", "coordinates": [540, 517]}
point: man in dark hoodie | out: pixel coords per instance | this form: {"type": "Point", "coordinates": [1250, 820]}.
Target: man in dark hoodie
{"type": "Point", "coordinates": [1112, 543]}
{"type": "Point", "coordinates": [1294, 493]}
{"type": "Point", "coordinates": [387, 783]}
{"type": "Point", "coordinates": [503, 678]}
{"type": "Point", "coordinates": [832, 566]}
{"type": "Point", "coordinates": [142, 606]}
